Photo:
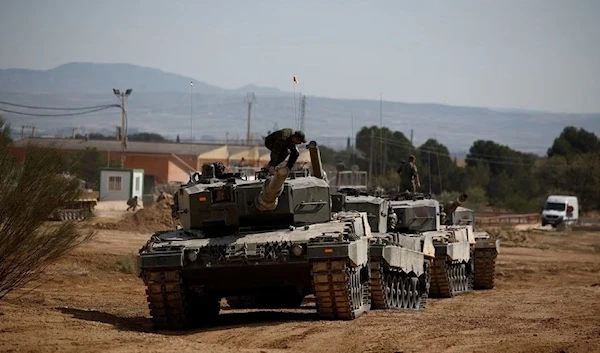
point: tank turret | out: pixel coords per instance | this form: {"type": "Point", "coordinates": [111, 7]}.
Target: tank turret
{"type": "Point", "coordinates": [218, 203]}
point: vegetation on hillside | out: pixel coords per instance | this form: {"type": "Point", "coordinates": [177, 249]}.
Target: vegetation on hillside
{"type": "Point", "coordinates": [495, 174]}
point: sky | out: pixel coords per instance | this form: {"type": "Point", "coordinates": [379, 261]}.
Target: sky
{"type": "Point", "coordinates": [523, 54]}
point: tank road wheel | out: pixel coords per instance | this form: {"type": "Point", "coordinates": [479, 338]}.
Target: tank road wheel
{"type": "Point", "coordinates": [485, 266]}
{"type": "Point", "coordinates": [394, 290]}
{"type": "Point", "coordinates": [175, 307]}
{"type": "Point", "coordinates": [342, 291]}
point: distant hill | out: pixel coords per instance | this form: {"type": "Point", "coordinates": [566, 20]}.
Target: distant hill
{"type": "Point", "coordinates": [161, 103]}
{"type": "Point", "coordinates": [100, 78]}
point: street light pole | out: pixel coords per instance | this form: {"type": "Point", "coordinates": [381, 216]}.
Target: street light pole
{"type": "Point", "coordinates": [122, 96]}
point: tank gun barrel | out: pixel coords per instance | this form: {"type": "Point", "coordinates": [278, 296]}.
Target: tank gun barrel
{"type": "Point", "coordinates": [271, 190]}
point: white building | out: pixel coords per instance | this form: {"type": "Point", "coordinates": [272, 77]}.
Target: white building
{"type": "Point", "coordinates": [121, 184]}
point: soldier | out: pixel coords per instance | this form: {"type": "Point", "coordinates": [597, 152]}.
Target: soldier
{"type": "Point", "coordinates": [450, 207]}
{"type": "Point", "coordinates": [409, 175]}
{"type": "Point", "coordinates": [283, 143]}
{"type": "Point", "coordinates": [132, 203]}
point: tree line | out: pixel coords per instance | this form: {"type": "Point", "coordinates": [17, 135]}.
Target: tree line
{"type": "Point", "coordinates": [494, 175]}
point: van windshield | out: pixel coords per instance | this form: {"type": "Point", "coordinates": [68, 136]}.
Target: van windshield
{"type": "Point", "coordinates": [555, 206]}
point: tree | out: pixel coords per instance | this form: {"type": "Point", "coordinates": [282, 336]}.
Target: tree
{"type": "Point", "coordinates": [29, 193]}
{"type": "Point", "coordinates": [573, 141]}
{"type": "Point", "coordinates": [177, 140]}
{"type": "Point", "coordinates": [5, 138]}
{"type": "Point", "coordinates": [147, 137]}
{"type": "Point", "coordinates": [436, 166]}
{"type": "Point", "coordinates": [396, 147]}
{"type": "Point", "coordinates": [86, 165]}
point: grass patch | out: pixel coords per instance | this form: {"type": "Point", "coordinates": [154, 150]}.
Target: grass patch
{"type": "Point", "coordinates": [126, 264]}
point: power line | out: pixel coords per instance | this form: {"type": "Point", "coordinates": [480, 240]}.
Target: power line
{"type": "Point", "coordinates": [65, 114]}
{"type": "Point", "coordinates": [56, 108]}
{"type": "Point", "coordinates": [435, 150]}
{"type": "Point", "coordinates": [472, 156]}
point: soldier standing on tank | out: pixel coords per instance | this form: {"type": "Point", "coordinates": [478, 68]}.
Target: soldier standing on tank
{"type": "Point", "coordinates": [409, 176]}
{"type": "Point", "coordinates": [283, 143]}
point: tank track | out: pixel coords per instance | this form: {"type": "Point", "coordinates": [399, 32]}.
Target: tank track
{"type": "Point", "coordinates": [342, 292]}
{"type": "Point", "coordinates": [450, 279]}
{"type": "Point", "coordinates": [393, 289]}
{"type": "Point", "coordinates": [485, 267]}
{"type": "Point", "coordinates": [71, 215]}
{"type": "Point", "coordinates": [175, 307]}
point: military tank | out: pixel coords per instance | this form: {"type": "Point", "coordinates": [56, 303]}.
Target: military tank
{"type": "Point", "coordinates": [400, 262]}
{"type": "Point", "coordinates": [272, 239]}
{"type": "Point", "coordinates": [485, 250]}
{"type": "Point", "coordinates": [452, 268]}
{"type": "Point", "coordinates": [79, 208]}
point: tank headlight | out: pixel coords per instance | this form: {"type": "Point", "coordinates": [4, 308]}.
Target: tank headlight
{"type": "Point", "coordinates": [192, 256]}
{"type": "Point", "coordinates": [297, 249]}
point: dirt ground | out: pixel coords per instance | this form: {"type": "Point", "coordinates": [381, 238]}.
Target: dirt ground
{"type": "Point", "coordinates": [547, 299]}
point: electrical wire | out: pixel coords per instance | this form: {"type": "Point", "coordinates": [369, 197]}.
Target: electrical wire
{"type": "Point", "coordinates": [56, 108]}
{"type": "Point", "coordinates": [65, 114]}
{"type": "Point", "coordinates": [471, 156]}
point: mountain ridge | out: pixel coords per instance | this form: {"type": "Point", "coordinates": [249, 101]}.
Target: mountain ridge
{"type": "Point", "coordinates": [161, 103]}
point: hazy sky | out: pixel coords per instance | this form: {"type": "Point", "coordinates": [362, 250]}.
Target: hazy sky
{"type": "Point", "coordinates": [531, 54]}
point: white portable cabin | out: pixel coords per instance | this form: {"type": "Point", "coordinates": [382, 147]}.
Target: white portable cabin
{"type": "Point", "coordinates": [560, 209]}
{"type": "Point", "coordinates": [121, 184]}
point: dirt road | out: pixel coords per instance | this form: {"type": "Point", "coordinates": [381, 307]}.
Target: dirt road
{"type": "Point", "coordinates": [547, 299]}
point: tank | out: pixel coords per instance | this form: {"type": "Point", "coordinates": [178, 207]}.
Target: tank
{"type": "Point", "coordinates": [452, 268]}
{"type": "Point", "coordinates": [266, 242]}
{"type": "Point", "coordinates": [79, 208]}
{"type": "Point", "coordinates": [485, 250]}
{"type": "Point", "coordinates": [399, 262]}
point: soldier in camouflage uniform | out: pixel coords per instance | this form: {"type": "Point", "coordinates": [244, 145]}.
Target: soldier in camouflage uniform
{"type": "Point", "coordinates": [409, 175]}
{"type": "Point", "coordinates": [283, 143]}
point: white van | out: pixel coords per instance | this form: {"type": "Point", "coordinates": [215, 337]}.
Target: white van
{"type": "Point", "coordinates": [560, 209]}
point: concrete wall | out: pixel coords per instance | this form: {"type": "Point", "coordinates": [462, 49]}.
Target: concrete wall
{"type": "Point", "coordinates": [177, 174]}
{"type": "Point", "coordinates": [123, 188]}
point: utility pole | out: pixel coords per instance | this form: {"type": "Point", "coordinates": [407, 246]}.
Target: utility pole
{"type": "Point", "coordinates": [31, 134]}
{"type": "Point", "coordinates": [122, 96]}
{"type": "Point", "coordinates": [429, 163]}
{"type": "Point", "coordinates": [249, 100]}
{"type": "Point", "coordinates": [191, 114]}
{"type": "Point", "coordinates": [381, 130]}
{"type": "Point", "coordinates": [371, 159]}
{"type": "Point", "coordinates": [73, 130]}
{"type": "Point", "coordinates": [302, 112]}
{"type": "Point", "coordinates": [353, 137]}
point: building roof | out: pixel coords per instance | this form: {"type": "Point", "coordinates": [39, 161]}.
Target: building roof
{"type": "Point", "coordinates": [202, 150]}
{"type": "Point", "coordinates": [251, 153]}
{"type": "Point", "coordinates": [132, 146]}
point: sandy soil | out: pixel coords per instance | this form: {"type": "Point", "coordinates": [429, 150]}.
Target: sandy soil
{"type": "Point", "coordinates": [546, 300]}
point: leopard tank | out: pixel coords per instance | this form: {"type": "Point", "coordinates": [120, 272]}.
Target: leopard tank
{"type": "Point", "coordinates": [266, 242]}
{"type": "Point", "coordinates": [400, 262]}
{"type": "Point", "coordinates": [485, 249]}
{"type": "Point", "coordinates": [452, 269]}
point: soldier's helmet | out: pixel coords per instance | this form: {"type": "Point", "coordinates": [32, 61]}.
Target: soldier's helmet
{"type": "Point", "coordinates": [411, 157]}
